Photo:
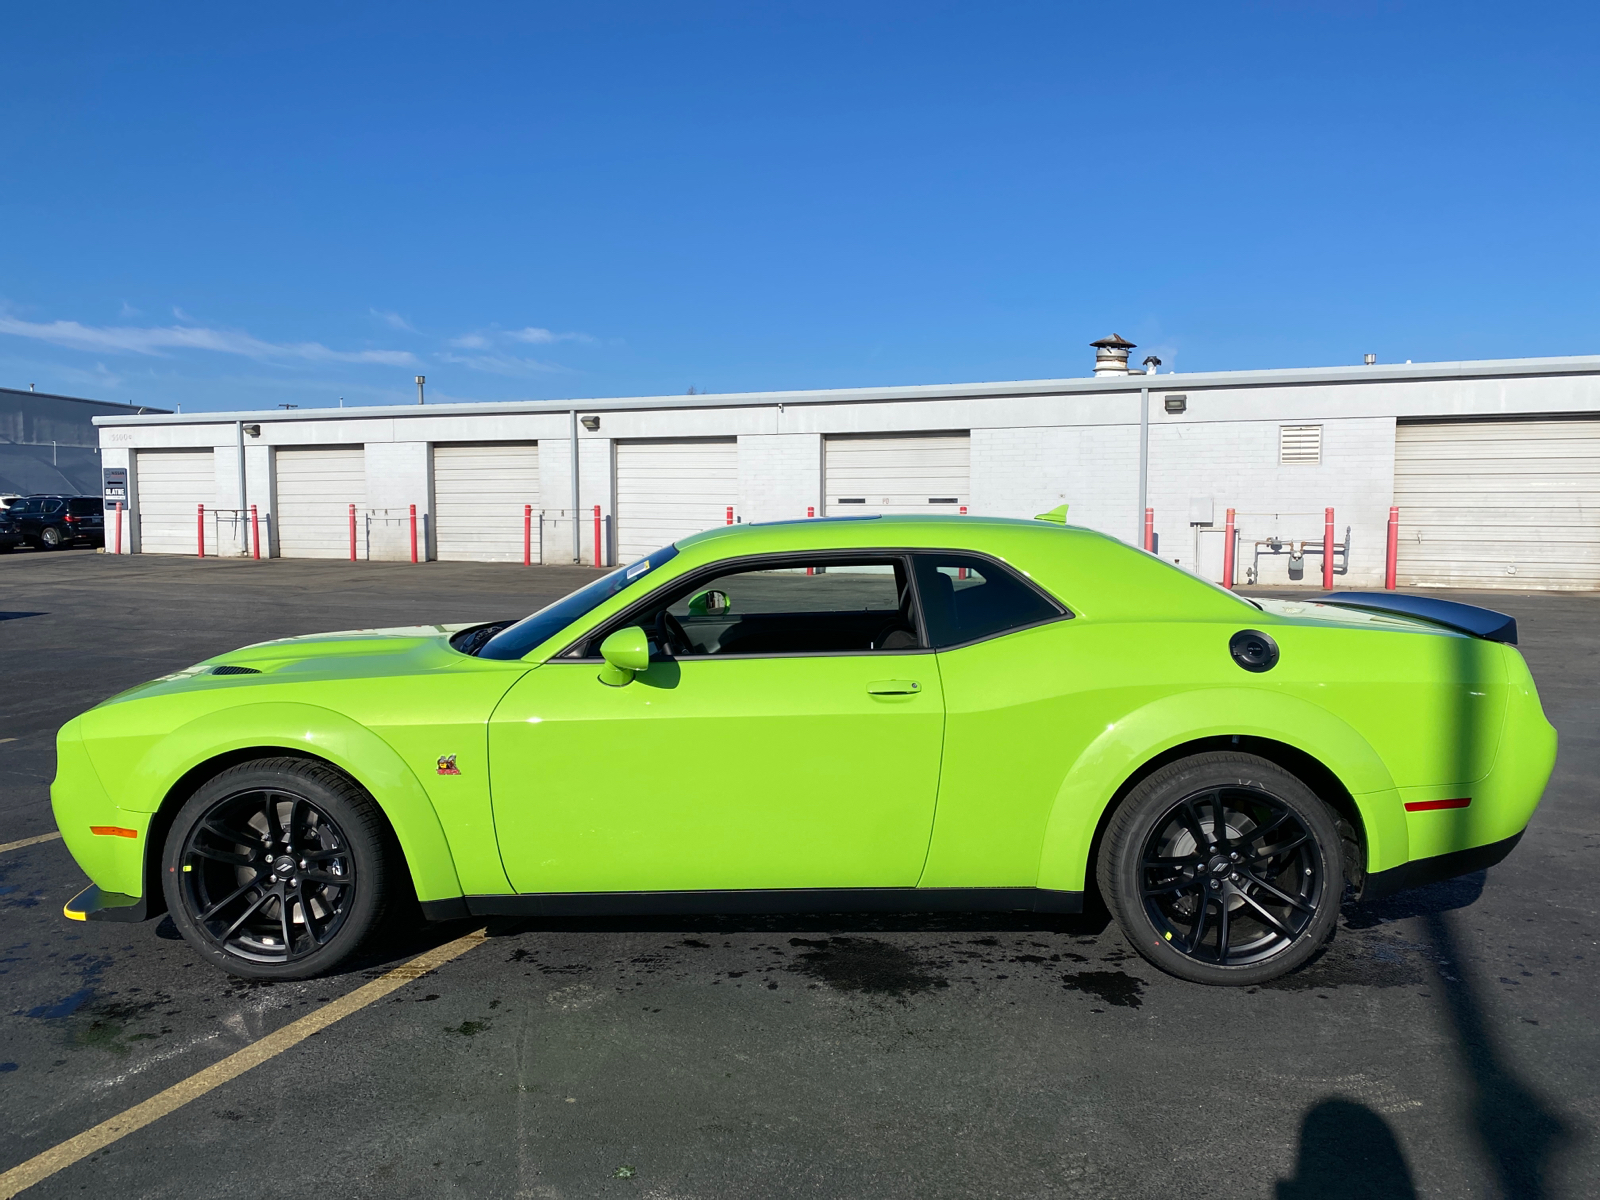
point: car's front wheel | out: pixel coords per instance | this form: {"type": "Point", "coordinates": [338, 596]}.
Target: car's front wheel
{"type": "Point", "coordinates": [278, 869]}
{"type": "Point", "coordinates": [50, 538]}
{"type": "Point", "coordinates": [1223, 868]}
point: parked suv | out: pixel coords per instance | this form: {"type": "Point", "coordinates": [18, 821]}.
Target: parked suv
{"type": "Point", "coordinates": [54, 522]}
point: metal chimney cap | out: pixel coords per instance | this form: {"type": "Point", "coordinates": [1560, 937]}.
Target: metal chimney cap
{"type": "Point", "coordinates": [1114, 342]}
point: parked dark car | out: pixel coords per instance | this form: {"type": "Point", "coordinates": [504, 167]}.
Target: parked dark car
{"type": "Point", "coordinates": [54, 522]}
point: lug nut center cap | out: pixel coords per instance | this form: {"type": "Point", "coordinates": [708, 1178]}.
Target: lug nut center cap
{"type": "Point", "coordinates": [283, 866]}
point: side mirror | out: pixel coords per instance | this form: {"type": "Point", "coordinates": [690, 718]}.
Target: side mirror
{"type": "Point", "coordinates": [626, 653]}
{"type": "Point", "coordinates": [710, 604]}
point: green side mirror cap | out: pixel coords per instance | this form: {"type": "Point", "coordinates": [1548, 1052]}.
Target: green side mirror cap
{"type": "Point", "coordinates": [1056, 516]}
{"type": "Point", "coordinates": [626, 653]}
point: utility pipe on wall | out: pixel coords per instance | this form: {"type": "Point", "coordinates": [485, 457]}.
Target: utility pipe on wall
{"type": "Point", "coordinates": [244, 501]}
{"type": "Point", "coordinates": [1144, 455]}
{"type": "Point", "coordinates": [577, 543]}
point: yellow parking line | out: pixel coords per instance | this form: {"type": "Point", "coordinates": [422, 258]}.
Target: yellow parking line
{"type": "Point", "coordinates": [33, 841]}
{"type": "Point", "coordinates": [58, 1158]}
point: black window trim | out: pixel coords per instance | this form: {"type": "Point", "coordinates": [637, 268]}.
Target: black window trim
{"type": "Point", "coordinates": [623, 619]}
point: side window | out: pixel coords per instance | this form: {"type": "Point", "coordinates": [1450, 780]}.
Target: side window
{"type": "Point", "coordinates": [83, 508]}
{"type": "Point", "coordinates": [51, 506]}
{"type": "Point", "coordinates": [791, 606]}
{"type": "Point", "coordinates": [965, 598]}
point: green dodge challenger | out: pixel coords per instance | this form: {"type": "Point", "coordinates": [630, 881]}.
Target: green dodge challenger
{"type": "Point", "coordinates": [844, 715]}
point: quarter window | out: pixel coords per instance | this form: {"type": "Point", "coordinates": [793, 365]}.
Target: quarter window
{"type": "Point", "coordinates": [966, 598]}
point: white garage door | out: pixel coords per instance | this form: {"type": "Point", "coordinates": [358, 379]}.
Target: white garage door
{"type": "Point", "coordinates": [172, 484]}
{"type": "Point", "coordinates": [316, 488]}
{"type": "Point", "coordinates": [668, 489]}
{"type": "Point", "coordinates": [876, 474]}
{"type": "Point", "coordinates": [480, 491]}
{"type": "Point", "coordinates": [1499, 504]}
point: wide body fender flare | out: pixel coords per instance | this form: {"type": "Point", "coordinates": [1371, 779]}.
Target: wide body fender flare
{"type": "Point", "coordinates": [323, 733]}
{"type": "Point", "coordinates": [1147, 732]}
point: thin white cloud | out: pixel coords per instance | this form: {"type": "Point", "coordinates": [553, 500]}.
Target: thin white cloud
{"type": "Point", "coordinates": [156, 340]}
{"type": "Point", "coordinates": [545, 337]}
{"type": "Point", "coordinates": [128, 311]}
{"type": "Point", "coordinates": [500, 364]}
{"type": "Point", "coordinates": [393, 319]}
{"type": "Point", "coordinates": [470, 341]}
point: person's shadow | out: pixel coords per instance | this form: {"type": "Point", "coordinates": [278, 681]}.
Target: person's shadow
{"type": "Point", "coordinates": [1347, 1152]}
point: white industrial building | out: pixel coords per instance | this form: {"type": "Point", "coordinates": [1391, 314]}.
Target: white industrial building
{"type": "Point", "coordinates": [1493, 465]}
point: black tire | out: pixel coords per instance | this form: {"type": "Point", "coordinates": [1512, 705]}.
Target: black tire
{"type": "Point", "coordinates": [50, 538]}
{"type": "Point", "coordinates": [1241, 909]}
{"type": "Point", "coordinates": [255, 904]}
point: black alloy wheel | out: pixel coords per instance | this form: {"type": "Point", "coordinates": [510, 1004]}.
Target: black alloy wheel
{"type": "Point", "coordinates": [51, 539]}
{"type": "Point", "coordinates": [277, 869]}
{"type": "Point", "coordinates": [1224, 869]}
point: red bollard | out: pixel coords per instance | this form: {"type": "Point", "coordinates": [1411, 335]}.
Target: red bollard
{"type": "Point", "coordinates": [1227, 552]}
{"type": "Point", "coordinates": [1392, 559]}
{"type": "Point", "coordinates": [1327, 549]}
{"type": "Point", "coordinates": [255, 532]}
{"type": "Point", "coordinates": [352, 533]}
{"type": "Point", "coordinates": [118, 507]}
{"type": "Point", "coordinates": [1150, 529]}
{"type": "Point", "coordinates": [963, 510]}
{"type": "Point", "coordinates": [597, 559]}
{"type": "Point", "coordinates": [200, 530]}
{"type": "Point", "coordinates": [527, 535]}
{"type": "Point", "coordinates": [413, 533]}
{"type": "Point", "coordinates": [811, 512]}
{"type": "Point", "coordinates": [730, 514]}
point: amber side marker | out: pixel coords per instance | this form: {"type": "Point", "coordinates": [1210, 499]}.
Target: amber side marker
{"type": "Point", "coordinates": [119, 831]}
{"type": "Point", "coordinates": [1430, 805]}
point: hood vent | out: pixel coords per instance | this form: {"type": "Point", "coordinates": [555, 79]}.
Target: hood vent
{"type": "Point", "coordinates": [231, 670]}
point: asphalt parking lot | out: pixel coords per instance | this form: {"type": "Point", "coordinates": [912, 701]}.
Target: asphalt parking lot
{"type": "Point", "coordinates": [1445, 1044]}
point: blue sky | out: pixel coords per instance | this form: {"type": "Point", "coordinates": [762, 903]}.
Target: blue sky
{"type": "Point", "coordinates": [224, 207]}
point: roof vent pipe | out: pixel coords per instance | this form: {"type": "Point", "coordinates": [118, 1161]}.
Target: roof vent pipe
{"type": "Point", "coordinates": [1111, 355]}
{"type": "Point", "coordinates": [1370, 359]}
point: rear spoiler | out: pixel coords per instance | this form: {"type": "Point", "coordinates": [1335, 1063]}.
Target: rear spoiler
{"type": "Point", "coordinates": [1466, 618]}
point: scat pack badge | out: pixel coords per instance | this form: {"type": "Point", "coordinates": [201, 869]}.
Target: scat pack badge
{"type": "Point", "coordinates": [447, 765]}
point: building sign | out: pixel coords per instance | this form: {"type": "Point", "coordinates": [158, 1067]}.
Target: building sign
{"type": "Point", "coordinates": [115, 486]}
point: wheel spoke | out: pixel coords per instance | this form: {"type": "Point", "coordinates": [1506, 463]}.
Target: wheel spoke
{"type": "Point", "coordinates": [1198, 929]}
{"type": "Point", "coordinates": [1222, 929]}
{"type": "Point", "coordinates": [1291, 901]}
{"type": "Point", "coordinates": [1276, 851]}
{"type": "Point", "coordinates": [1176, 886]}
{"type": "Point", "coordinates": [234, 837]}
{"type": "Point", "coordinates": [1191, 821]}
{"type": "Point", "coordinates": [1266, 916]}
{"type": "Point", "coordinates": [247, 914]}
{"type": "Point", "coordinates": [327, 879]}
{"type": "Point", "coordinates": [234, 895]}
{"type": "Point", "coordinates": [305, 912]}
{"type": "Point", "coordinates": [1219, 822]}
{"type": "Point", "coordinates": [223, 856]}
{"type": "Point", "coordinates": [283, 921]}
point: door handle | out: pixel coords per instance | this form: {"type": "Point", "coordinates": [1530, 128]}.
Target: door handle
{"type": "Point", "coordinates": [894, 687]}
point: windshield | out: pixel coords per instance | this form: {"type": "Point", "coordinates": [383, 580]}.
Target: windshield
{"type": "Point", "coordinates": [516, 640]}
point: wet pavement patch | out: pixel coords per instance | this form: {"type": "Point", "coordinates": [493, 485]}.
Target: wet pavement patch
{"type": "Point", "coordinates": [1111, 987]}
{"type": "Point", "coordinates": [853, 964]}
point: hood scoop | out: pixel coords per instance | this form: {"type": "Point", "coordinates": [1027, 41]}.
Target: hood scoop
{"type": "Point", "coordinates": [229, 669]}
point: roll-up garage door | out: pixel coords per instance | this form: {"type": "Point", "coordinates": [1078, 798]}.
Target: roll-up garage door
{"type": "Point", "coordinates": [1499, 504]}
{"type": "Point", "coordinates": [172, 484]}
{"type": "Point", "coordinates": [878, 474]}
{"type": "Point", "coordinates": [316, 487]}
{"type": "Point", "coordinates": [668, 489]}
{"type": "Point", "coordinates": [480, 491]}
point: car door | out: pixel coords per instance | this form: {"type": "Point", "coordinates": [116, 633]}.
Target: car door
{"type": "Point", "coordinates": [1013, 717]}
{"type": "Point", "coordinates": [785, 735]}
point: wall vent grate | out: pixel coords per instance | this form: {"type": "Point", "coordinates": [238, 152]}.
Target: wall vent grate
{"type": "Point", "coordinates": [1299, 444]}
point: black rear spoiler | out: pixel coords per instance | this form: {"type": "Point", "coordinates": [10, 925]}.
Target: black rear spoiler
{"type": "Point", "coordinates": [1467, 618]}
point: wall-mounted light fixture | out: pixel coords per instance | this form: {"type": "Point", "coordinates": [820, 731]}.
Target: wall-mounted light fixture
{"type": "Point", "coordinates": [590, 423]}
{"type": "Point", "coordinates": [253, 430]}
{"type": "Point", "coordinates": [1177, 404]}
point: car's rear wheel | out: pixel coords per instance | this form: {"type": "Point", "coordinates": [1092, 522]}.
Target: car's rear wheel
{"type": "Point", "coordinates": [278, 869]}
{"type": "Point", "coordinates": [1224, 869]}
{"type": "Point", "coordinates": [50, 538]}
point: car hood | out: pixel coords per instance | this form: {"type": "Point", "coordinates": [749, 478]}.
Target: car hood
{"type": "Point", "coordinates": [348, 654]}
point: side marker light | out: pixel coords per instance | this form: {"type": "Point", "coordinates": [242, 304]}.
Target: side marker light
{"type": "Point", "coordinates": [113, 831]}
{"type": "Point", "coordinates": [1431, 805]}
